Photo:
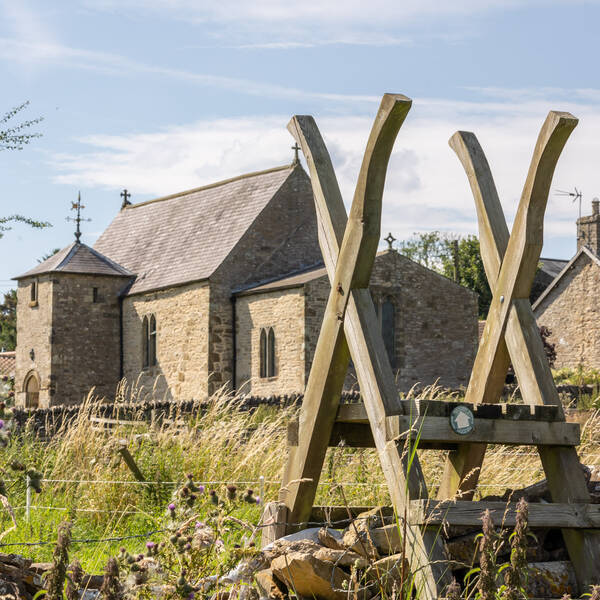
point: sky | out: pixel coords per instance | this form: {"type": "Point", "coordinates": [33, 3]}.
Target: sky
{"type": "Point", "coordinates": [160, 96]}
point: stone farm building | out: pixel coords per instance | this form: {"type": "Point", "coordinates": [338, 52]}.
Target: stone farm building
{"type": "Point", "coordinates": [218, 286]}
{"type": "Point", "coordinates": [569, 306]}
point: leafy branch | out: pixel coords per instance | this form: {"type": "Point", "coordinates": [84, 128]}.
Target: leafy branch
{"type": "Point", "coordinates": [15, 137]}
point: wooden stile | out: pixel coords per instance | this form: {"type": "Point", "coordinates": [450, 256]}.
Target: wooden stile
{"type": "Point", "coordinates": [384, 421]}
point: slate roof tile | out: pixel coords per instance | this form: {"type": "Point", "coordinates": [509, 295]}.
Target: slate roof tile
{"type": "Point", "coordinates": [185, 237]}
{"type": "Point", "coordinates": [78, 258]}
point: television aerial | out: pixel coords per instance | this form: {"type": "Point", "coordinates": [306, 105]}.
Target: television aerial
{"type": "Point", "coordinates": [576, 195]}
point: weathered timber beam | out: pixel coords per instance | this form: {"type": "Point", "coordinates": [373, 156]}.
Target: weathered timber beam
{"type": "Point", "coordinates": [492, 431]}
{"type": "Point", "coordinates": [464, 513]}
{"type": "Point", "coordinates": [424, 549]}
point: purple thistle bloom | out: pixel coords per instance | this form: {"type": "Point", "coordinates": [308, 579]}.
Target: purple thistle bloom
{"type": "Point", "coordinates": [199, 525]}
{"type": "Point", "coordinates": [1, 423]}
{"type": "Point", "coordinates": [171, 507]}
{"type": "Point", "coordinates": [150, 545]}
{"type": "Point", "coordinates": [201, 489]}
{"type": "Point", "coordinates": [257, 499]}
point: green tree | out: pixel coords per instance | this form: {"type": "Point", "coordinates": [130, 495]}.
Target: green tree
{"type": "Point", "coordinates": [15, 137]}
{"type": "Point", "coordinates": [8, 321]}
{"type": "Point", "coordinates": [471, 272]}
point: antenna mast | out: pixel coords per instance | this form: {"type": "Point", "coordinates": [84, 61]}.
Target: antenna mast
{"type": "Point", "coordinates": [576, 195]}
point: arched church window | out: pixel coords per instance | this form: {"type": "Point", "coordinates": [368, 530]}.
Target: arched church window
{"type": "Point", "coordinates": [271, 353]}
{"type": "Point", "coordinates": [145, 361]}
{"type": "Point", "coordinates": [263, 353]}
{"type": "Point", "coordinates": [152, 341]}
{"type": "Point", "coordinates": [388, 329]}
{"type": "Point", "coordinates": [32, 391]}
{"type": "Point", "coordinates": [267, 352]}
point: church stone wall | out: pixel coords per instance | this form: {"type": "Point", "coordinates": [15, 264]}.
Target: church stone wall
{"type": "Point", "coordinates": [284, 312]}
{"type": "Point", "coordinates": [571, 312]}
{"type": "Point", "coordinates": [281, 240]}
{"type": "Point", "coordinates": [34, 327]}
{"type": "Point", "coordinates": [435, 326]}
{"type": "Point", "coordinates": [85, 336]}
{"type": "Point", "coordinates": [182, 315]}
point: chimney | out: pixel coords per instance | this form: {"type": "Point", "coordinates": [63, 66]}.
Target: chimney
{"type": "Point", "coordinates": [588, 229]}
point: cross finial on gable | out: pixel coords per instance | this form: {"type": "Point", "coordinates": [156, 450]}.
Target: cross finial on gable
{"type": "Point", "coordinates": [296, 148]}
{"type": "Point", "coordinates": [77, 206]}
{"type": "Point", "coordinates": [125, 195]}
{"type": "Point", "coordinates": [390, 239]}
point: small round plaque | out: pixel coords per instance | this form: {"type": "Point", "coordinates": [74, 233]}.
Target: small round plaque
{"type": "Point", "coordinates": [462, 420]}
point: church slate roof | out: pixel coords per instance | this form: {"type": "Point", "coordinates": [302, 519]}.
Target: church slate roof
{"type": "Point", "coordinates": [78, 258]}
{"type": "Point", "coordinates": [184, 237]}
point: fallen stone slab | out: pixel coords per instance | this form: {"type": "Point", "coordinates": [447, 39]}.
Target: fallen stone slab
{"type": "Point", "coordinates": [308, 576]}
{"type": "Point", "coordinates": [269, 586]}
{"type": "Point", "coordinates": [330, 538]}
{"type": "Point", "coordinates": [386, 573]}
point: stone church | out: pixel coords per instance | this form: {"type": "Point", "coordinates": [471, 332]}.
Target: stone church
{"type": "Point", "coordinates": [569, 306]}
{"type": "Point", "coordinates": [222, 285]}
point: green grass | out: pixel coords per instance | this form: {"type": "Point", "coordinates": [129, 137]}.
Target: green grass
{"type": "Point", "coordinates": [223, 445]}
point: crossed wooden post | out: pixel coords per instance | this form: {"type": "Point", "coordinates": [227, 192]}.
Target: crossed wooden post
{"type": "Point", "coordinates": [511, 332]}
{"type": "Point", "coordinates": [350, 327]}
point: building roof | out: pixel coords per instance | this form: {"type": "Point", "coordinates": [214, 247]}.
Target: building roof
{"type": "Point", "coordinates": [78, 258]}
{"type": "Point", "coordinates": [7, 363]}
{"type": "Point", "coordinates": [299, 278]}
{"type": "Point", "coordinates": [552, 266]}
{"type": "Point", "coordinates": [184, 237]}
{"type": "Point", "coordinates": [584, 250]}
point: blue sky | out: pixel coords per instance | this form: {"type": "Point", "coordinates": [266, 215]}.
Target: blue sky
{"type": "Point", "coordinates": [160, 96]}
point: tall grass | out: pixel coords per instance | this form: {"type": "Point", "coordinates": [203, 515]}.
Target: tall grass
{"type": "Point", "coordinates": [219, 444]}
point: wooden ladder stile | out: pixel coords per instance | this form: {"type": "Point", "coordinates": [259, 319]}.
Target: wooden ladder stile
{"type": "Point", "coordinates": [384, 421]}
{"type": "Point", "coordinates": [349, 245]}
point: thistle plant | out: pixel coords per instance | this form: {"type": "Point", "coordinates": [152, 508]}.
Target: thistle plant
{"type": "Point", "coordinates": [486, 585]}
{"type": "Point", "coordinates": [74, 580]}
{"type": "Point", "coordinates": [111, 587]}
{"type": "Point", "coordinates": [515, 576]}
{"type": "Point", "coordinates": [60, 561]}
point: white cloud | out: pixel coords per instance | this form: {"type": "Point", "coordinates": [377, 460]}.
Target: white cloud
{"type": "Point", "coordinates": [426, 187]}
{"type": "Point", "coordinates": [34, 53]}
{"type": "Point", "coordinates": [281, 24]}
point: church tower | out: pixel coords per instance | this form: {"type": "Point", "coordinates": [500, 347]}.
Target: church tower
{"type": "Point", "coordinates": [588, 229]}
{"type": "Point", "coordinates": [69, 327]}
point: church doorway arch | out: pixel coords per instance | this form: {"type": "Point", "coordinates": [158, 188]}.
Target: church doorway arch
{"type": "Point", "coordinates": [32, 390]}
